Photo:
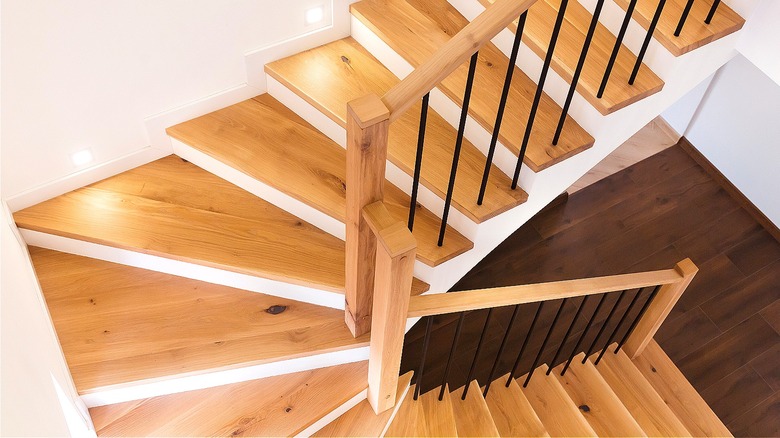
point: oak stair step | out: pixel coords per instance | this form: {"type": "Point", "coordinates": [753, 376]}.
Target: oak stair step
{"type": "Point", "coordinates": [331, 75]}
{"type": "Point", "coordinates": [171, 208]}
{"type": "Point", "coordinates": [695, 33]}
{"type": "Point", "coordinates": [511, 411]}
{"type": "Point", "coordinates": [600, 406]}
{"type": "Point", "coordinates": [283, 405]}
{"type": "Point", "coordinates": [427, 25]}
{"type": "Point", "coordinates": [408, 420]}
{"type": "Point", "coordinates": [618, 94]}
{"type": "Point", "coordinates": [683, 399]}
{"type": "Point", "coordinates": [118, 324]}
{"type": "Point", "coordinates": [361, 421]}
{"type": "Point", "coordinates": [558, 413]}
{"type": "Point", "coordinates": [472, 415]}
{"type": "Point", "coordinates": [267, 141]}
{"type": "Point", "coordinates": [437, 417]}
{"type": "Point", "coordinates": [638, 396]}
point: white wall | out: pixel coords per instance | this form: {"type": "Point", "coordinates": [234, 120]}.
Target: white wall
{"type": "Point", "coordinates": [86, 73]}
{"type": "Point", "coordinates": [680, 114]}
{"type": "Point", "coordinates": [759, 40]}
{"type": "Point", "coordinates": [736, 127]}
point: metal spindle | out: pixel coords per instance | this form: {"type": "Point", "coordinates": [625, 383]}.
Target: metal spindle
{"type": "Point", "coordinates": [683, 17]}
{"type": "Point", "coordinates": [418, 159]}
{"type": "Point", "coordinates": [525, 343]}
{"type": "Point", "coordinates": [458, 143]}
{"type": "Point", "coordinates": [539, 91]}
{"type": "Point", "coordinates": [711, 14]}
{"type": "Point", "coordinates": [501, 350]}
{"type": "Point", "coordinates": [452, 354]}
{"type": "Point", "coordinates": [604, 326]}
{"type": "Point", "coordinates": [619, 324]}
{"type": "Point", "coordinates": [616, 48]}
{"type": "Point", "coordinates": [578, 70]}
{"type": "Point", "coordinates": [476, 355]}
{"type": "Point", "coordinates": [568, 332]}
{"type": "Point", "coordinates": [426, 341]}
{"type": "Point", "coordinates": [544, 343]}
{"type": "Point", "coordinates": [646, 42]}
{"type": "Point", "coordinates": [638, 318]}
{"type": "Point", "coordinates": [584, 332]}
{"type": "Point", "coordinates": [501, 106]}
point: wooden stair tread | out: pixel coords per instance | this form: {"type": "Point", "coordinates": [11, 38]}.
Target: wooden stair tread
{"type": "Point", "coordinates": [695, 33]}
{"type": "Point", "coordinates": [472, 416]}
{"type": "Point", "coordinates": [275, 406]}
{"type": "Point", "coordinates": [327, 81]}
{"type": "Point", "coordinates": [437, 418]}
{"type": "Point", "coordinates": [639, 397]}
{"type": "Point", "coordinates": [118, 324]}
{"type": "Point", "coordinates": [428, 24]}
{"type": "Point", "coordinates": [361, 421]}
{"type": "Point", "coordinates": [407, 421]}
{"type": "Point", "coordinates": [618, 94]}
{"type": "Point", "coordinates": [555, 408]}
{"type": "Point", "coordinates": [171, 208]}
{"type": "Point", "coordinates": [600, 406]}
{"type": "Point", "coordinates": [511, 411]}
{"type": "Point", "coordinates": [267, 141]}
{"type": "Point", "coordinates": [669, 382]}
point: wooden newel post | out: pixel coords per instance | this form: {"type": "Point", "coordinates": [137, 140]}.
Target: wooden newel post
{"type": "Point", "coordinates": [659, 309]}
{"type": "Point", "coordinates": [368, 121]}
{"type": "Point", "coordinates": [395, 256]}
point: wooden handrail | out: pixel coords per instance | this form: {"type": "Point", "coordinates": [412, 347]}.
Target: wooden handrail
{"type": "Point", "coordinates": [452, 54]}
{"type": "Point", "coordinates": [427, 305]}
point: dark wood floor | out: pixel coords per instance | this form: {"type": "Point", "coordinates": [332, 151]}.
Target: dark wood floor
{"type": "Point", "coordinates": [724, 334]}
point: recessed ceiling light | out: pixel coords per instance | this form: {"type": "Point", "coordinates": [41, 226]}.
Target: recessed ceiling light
{"type": "Point", "coordinates": [315, 15]}
{"type": "Point", "coordinates": [81, 158]}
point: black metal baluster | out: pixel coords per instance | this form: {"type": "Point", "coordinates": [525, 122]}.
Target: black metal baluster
{"type": "Point", "coordinates": [501, 350]}
{"type": "Point", "coordinates": [458, 143]}
{"type": "Point", "coordinates": [646, 42]}
{"type": "Point", "coordinates": [638, 318]}
{"type": "Point", "coordinates": [418, 159]}
{"type": "Point", "coordinates": [426, 341]}
{"type": "Point", "coordinates": [544, 343]}
{"type": "Point", "coordinates": [539, 91]}
{"type": "Point", "coordinates": [619, 324]}
{"type": "Point", "coordinates": [578, 70]}
{"type": "Point", "coordinates": [711, 14]}
{"type": "Point", "coordinates": [525, 343]}
{"type": "Point", "coordinates": [683, 17]}
{"type": "Point", "coordinates": [452, 354]}
{"type": "Point", "coordinates": [584, 332]}
{"type": "Point", "coordinates": [568, 332]}
{"type": "Point", "coordinates": [476, 355]}
{"type": "Point", "coordinates": [616, 48]}
{"type": "Point", "coordinates": [604, 326]}
{"type": "Point", "coordinates": [501, 106]}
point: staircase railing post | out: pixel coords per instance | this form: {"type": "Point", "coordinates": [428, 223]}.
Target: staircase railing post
{"type": "Point", "coordinates": [659, 309]}
{"type": "Point", "coordinates": [367, 132]}
{"type": "Point", "coordinates": [395, 256]}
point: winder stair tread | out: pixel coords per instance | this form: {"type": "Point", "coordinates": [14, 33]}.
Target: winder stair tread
{"type": "Point", "coordinates": [695, 33]}
{"type": "Point", "coordinates": [437, 418]}
{"type": "Point", "coordinates": [556, 410]}
{"type": "Point", "coordinates": [618, 93]}
{"type": "Point", "coordinates": [427, 25]}
{"type": "Point", "coordinates": [408, 420]}
{"type": "Point", "coordinates": [283, 405]}
{"type": "Point", "coordinates": [173, 209]}
{"type": "Point", "coordinates": [511, 411]}
{"type": "Point", "coordinates": [330, 76]}
{"type": "Point", "coordinates": [118, 324]}
{"type": "Point", "coordinates": [472, 415]}
{"type": "Point", "coordinates": [267, 141]}
{"type": "Point", "coordinates": [683, 399]}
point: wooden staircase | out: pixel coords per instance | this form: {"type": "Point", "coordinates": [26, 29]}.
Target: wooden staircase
{"type": "Point", "coordinates": [204, 293]}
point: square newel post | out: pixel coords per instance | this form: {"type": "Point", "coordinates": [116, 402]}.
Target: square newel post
{"type": "Point", "coordinates": [368, 121]}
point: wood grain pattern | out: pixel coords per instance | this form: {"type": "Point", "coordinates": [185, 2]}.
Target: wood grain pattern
{"type": "Point", "coordinates": [696, 33]}
{"type": "Point", "coordinates": [349, 72]}
{"type": "Point", "coordinates": [275, 406]}
{"type": "Point", "coordinates": [428, 25]}
{"type": "Point", "coordinates": [605, 412]}
{"type": "Point", "coordinates": [361, 421]}
{"type": "Point", "coordinates": [554, 407]}
{"type": "Point", "coordinates": [678, 393]}
{"type": "Point", "coordinates": [267, 141]}
{"type": "Point", "coordinates": [437, 417]}
{"type": "Point", "coordinates": [408, 420]}
{"type": "Point", "coordinates": [618, 94]}
{"type": "Point", "coordinates": [511, 411]}
{"type": "Point", "coordinates": [472, 416]}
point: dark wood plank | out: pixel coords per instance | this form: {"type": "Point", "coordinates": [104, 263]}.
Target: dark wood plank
{"type": "Point", "coordinates": [715, 276]}
{"type": "Point", "coordinates": [768, 367]}
{"type": "Point", "coordinates": [728, 231]}
{"type": "Point", "coordinates": [771, 314]}
{"type": "Point", "coordinates": [755, 252]}
{"type": "Point", "coordinates": [673, 335]}
{"type": "Point", "coordinates": [736, 393]}
{"type": "Point", "coordinates": [763, 420]}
